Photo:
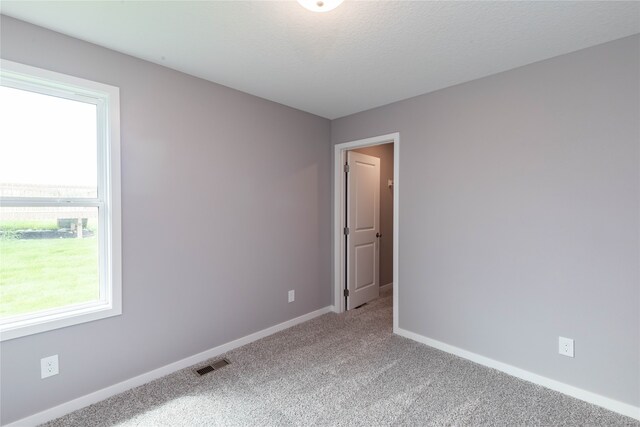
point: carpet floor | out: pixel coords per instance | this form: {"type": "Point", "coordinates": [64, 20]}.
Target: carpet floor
{"type": "Point", "coordinates": [346, 369]}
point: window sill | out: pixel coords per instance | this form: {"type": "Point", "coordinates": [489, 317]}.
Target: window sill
{"type": "Point", "coordinates": [22, 326]}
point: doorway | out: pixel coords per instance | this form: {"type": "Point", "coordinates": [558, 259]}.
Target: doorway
{"type": "Point", "coordinates": [342, 262]}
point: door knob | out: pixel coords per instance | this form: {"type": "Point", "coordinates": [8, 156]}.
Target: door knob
{"type": "Point", "coordinates": [378, 235]}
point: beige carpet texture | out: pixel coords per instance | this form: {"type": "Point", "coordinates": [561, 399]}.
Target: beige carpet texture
{"type": "Point", "coordinates": [347, 369]}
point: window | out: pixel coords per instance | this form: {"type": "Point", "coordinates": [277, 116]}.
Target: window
{"type": "Point", "coordinates": [59, 200]}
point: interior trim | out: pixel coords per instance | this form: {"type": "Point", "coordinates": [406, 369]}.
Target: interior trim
{"type": "Point", "coordinates": [339, 151]}
{"type": "Point", "coordinates": [385, 287]}
{"type": "Point", "coordinates": [97, 396]}
{"type": "Point", "coordinates": [569, 390]}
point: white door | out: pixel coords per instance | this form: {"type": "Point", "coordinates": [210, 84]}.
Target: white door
{"type": "Point", "coordinates": [363, 224]}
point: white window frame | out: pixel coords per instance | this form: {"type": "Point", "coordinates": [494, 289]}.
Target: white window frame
{"type": "Point", "coordinates": [107, 100]}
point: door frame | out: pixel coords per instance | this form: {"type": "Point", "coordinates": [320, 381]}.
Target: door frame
{"type": "Point", "coordinates": [340, 151]}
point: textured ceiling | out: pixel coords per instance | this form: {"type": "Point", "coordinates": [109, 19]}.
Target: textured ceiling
{"type": "Point", "coordinates": [361, 55]}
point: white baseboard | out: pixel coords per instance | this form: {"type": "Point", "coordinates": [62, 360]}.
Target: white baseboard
{"type": "Point", "coordinates": [578, 393]}
{"type": "Point", "coordinates": [385, 287]}
{"type": "Point", "coordinates": [88, 399]}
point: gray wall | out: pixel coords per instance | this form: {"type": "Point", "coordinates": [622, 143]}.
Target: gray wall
{"type": "Point", "coordinates": [519, 215]}
{"type": "Point", "coordinates": [519, 219]}
{"type": "Point", "coordinates": [385, 153]}
{"type": "Point", "coordinates": [201, 267]}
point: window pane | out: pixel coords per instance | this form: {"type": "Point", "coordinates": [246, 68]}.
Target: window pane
{"type": "Point", "coordinates": [48, 146]}
{"type": "Point", "coordinates": [46, 259]}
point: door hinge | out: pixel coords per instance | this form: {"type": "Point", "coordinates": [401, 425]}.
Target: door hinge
{"type": "Point", "coordinates": [346, 167]}
{"type": "Point", "coordinates": [346, 231]}
{"type": "Point", "coordinates": [346, 292]}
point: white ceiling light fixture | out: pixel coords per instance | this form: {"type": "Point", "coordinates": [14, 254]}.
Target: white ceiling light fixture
{"type": "Point", "coordinates": [320, 5]}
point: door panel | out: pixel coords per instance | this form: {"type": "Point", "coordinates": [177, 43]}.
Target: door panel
{"type": "Point", "coordinates": [363, 220]}
{"type": "Point", "coordinates": [364, 175]}
{"type": "Point", "coordinates": [364, 264]}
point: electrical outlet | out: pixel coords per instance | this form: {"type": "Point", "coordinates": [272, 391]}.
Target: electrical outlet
{"type": "Point", "coordinates": [49, 366]}
{"type": "Point", "coordinates": [292, 296]}
{"type": "Point", "coordinates": [565, 346]}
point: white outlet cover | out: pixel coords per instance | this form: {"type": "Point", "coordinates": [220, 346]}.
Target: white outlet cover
{"type": "Point", "coordinates": [49, 366]}
{"type": "Point", "coordinates": [292, 296]}
{"type": "Point", "coordinates": [565, 346]}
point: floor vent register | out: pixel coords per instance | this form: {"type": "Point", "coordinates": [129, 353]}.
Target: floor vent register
{"type": "Point", "coordinates": [218, 364]}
